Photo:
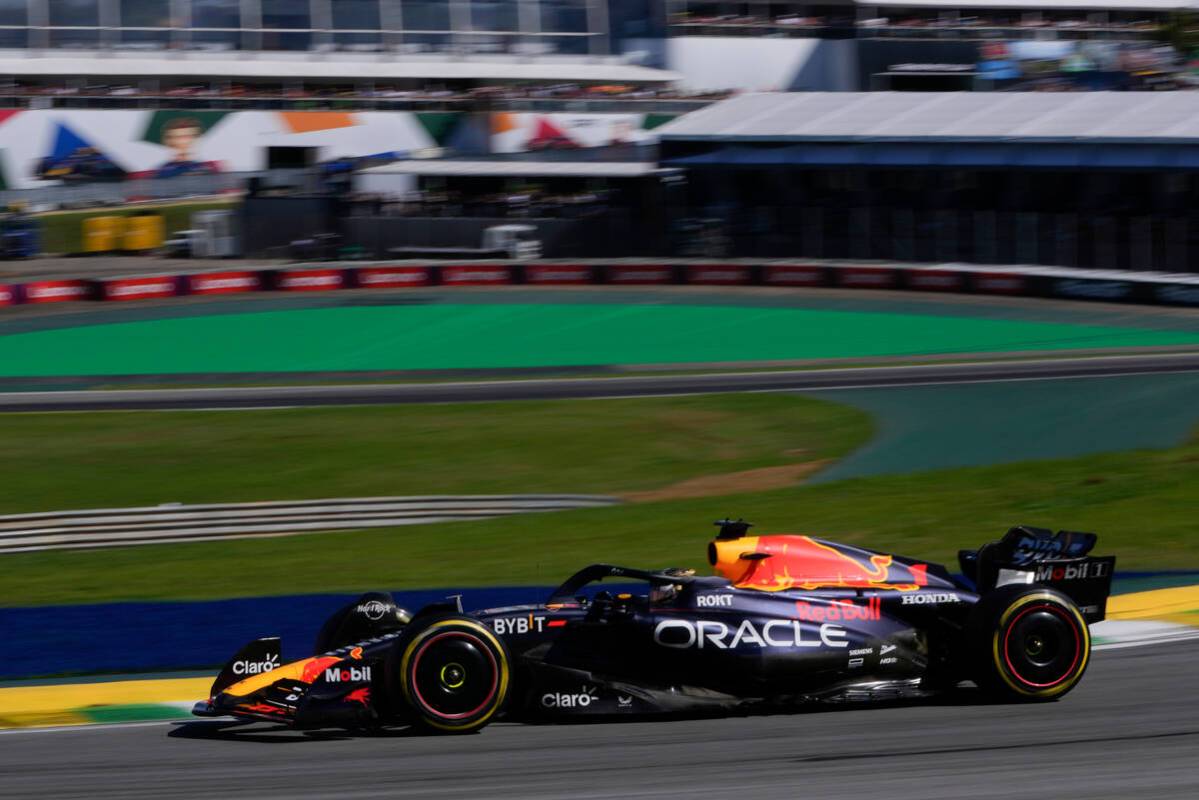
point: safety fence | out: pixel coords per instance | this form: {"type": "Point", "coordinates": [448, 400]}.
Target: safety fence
{"type": "Point", "coordinates": [118, 193]}
{"type": "Point", "coordinates": [1171, 289]}
{"type": "Point", "coordinates": [73, 530]}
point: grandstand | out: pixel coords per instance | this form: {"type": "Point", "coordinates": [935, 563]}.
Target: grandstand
{"type": "Point", "coordinates": [138, 99]}
{"type": "Point", "coordinates": [925, 19]}
{"type": "Point", "coordinates": [464, 55]}
{"type": "Point", "coordinates": [927, 45]}
{"type": "Point", "coordinates": [323, 54]}
{"type": "Point", "coordinates": [427, 94]}
{"type": "Point", "coordinates": [97, 90]}
{"type": "Point", "coordinates": [526, 27]}
{"type": "Point", "coordinates": [1041, 20]}
{"type": "Point", "coordinates": [161, 45]}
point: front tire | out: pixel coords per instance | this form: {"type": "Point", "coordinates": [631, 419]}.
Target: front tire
{"type": "Point", "coordinates": [1030, 644]}
{"type": "Point", "coordinates": [452, 673]}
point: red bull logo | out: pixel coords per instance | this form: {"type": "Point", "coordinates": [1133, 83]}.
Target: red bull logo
{"type": "Point", "coordinates": [314, 666]}
{"type": "Point", "coordinates": [776, 563]}
{"type": "Point", "coordinates": [839, 611]}
{"type": "Point", "coordinates": [361, 696]}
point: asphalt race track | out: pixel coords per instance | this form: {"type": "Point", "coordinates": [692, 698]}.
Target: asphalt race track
{"type": "Point", "coordinates": [573, 388]}
{"type": "Point", "coordinates": [1129, 731]}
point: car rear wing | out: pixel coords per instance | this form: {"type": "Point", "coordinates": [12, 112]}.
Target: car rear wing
{"type": "Point", "coordinates": [1036, 555]}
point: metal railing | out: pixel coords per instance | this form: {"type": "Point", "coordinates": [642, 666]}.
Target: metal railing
{"type": "Point", "coordinates": [107, 193]}
{"type": "Point", "coordinates": [593, 105]}
{"type": "Point", "coordinates": [72, 195]}
{"type": "Point", "coordinates": [961, 32]}
{"type": "Point", "coordinates": [75, 530]}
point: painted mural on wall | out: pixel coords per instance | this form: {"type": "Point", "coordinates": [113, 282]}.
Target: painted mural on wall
{"type": "Point", "coordinates": [181, 132]}
{"type": "Point", "coordinates": [521, 132]}
{"type": "Point", "coordinates": [92, 145]}
{"type": "Point", "coordinates": [85, 145]}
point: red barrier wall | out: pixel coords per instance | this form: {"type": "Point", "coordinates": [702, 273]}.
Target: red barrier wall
{"type": "Point", "coordinates": [309, 280]}
{"type": "Point", "coordinates": [719, 274]}
{"type": "Point", "coordinates": [794, 275]}
{"type": "Point", "coordinates": [935, 280]}
{"type": "Point", "coordinates": [138, 288]}
{"type": "Point", "coordinates": [1067, 284]}
{"type": "Point", "coordinates": [557, 274]}
{"type": "Point", "coordinates": [865, 277]}
{"type": "Point", "coordinates": [392, 277]}
{"type": "Point", "coordinates": [57, 291]}
{"type": "Point", "coordinates": [224, 282]}
{"type": "Point", "coordinates": [640, 273]}
{"type": "Point", "coordinates": [484, 275]}
{"type": "Point", "coordinates": [999, 283]}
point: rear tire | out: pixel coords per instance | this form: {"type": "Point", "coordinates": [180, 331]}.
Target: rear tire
{"type": "Point", "coordinates": [451, 675]}
{"type": "Point", "coordinates": [1030, 643]}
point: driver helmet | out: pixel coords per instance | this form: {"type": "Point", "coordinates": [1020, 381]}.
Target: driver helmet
{"type": "Point", "coordinates": [666, 593]}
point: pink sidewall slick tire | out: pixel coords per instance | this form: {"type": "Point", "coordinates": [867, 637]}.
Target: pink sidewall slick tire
{"type": "Point", "coordinates": [1030, 643]}
{"type": "Point", "coordinates": [452, 673]}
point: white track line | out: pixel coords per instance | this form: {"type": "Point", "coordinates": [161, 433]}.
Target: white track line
{"type": "Point", "coordinates": [88, 726]}
{"type": "Point", "coordinates": [1182, 636]}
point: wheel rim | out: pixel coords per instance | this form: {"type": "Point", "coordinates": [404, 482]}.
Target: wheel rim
{"type": "Point", "coordinates": [1042, 646]}
{"type": "Point", "coordinates": [454, 675]}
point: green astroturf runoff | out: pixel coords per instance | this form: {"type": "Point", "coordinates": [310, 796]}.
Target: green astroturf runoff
{"type": "Point", "coordinates": [449, 336]}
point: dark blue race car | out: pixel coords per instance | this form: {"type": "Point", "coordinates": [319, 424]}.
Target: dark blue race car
{"type": "Point", "coordinates": [786, 620]}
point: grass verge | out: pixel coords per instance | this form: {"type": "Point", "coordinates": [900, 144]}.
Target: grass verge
{"type": "Point", "coordinates": [65, 461]}
{"type": "Point", "coordinates": [1140, 502]}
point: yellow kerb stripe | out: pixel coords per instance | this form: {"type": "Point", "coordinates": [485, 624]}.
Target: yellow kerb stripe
{"type": "Point", "coordinates": [1156, 604]}
{"type": "Point", "coordinates": [21, 700]}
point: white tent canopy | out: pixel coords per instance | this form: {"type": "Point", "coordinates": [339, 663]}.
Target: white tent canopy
{"type": "Point", "coordinates": [944, 116]}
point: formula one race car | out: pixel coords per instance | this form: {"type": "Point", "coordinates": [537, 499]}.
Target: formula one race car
{"type": "Point", "coordinates": [790, 620]}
